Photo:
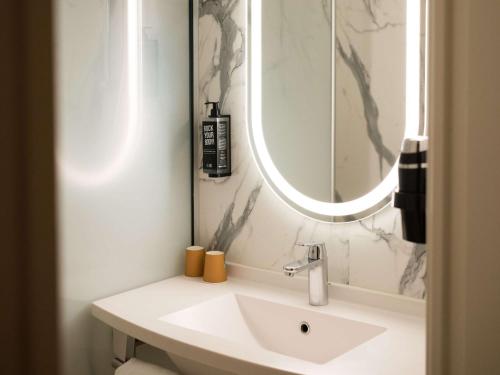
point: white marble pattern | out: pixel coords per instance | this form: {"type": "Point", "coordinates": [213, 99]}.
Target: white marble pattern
{"type": "Point", "coordinates": [370, 92]}
{"type": "Point", "coordinates": [242, 216]}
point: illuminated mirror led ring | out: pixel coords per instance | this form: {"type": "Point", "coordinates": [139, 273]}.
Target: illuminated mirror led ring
{"type": "Point", "coordinates": [124, 151]}
{"type": "Point", "coordinates": [256, 134]}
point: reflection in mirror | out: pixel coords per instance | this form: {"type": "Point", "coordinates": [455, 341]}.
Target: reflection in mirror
{"type": "Point", "coordinates": [334, 90]}
{"type": "Point", "coordinates": [369, 93]}
{"type": "Point", "coordinates": [297, 92]}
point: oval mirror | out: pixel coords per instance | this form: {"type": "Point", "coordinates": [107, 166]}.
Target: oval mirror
{"type": "Point", "coordinates": [333, 92]}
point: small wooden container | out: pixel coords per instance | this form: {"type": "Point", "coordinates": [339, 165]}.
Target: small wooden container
{"type": "Point", "coordinates": [195, 259]}
{"type": "Point", "coordinates": [215, 268]}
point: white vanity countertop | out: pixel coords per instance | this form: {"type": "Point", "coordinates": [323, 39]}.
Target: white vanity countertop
{"type": "Point", "coordinates": [399, 350]}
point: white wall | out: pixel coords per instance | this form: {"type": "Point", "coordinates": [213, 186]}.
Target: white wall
{"type": "Point", "coordinates": [129, 229]}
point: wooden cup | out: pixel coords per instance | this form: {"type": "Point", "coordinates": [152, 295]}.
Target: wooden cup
{"type": "Point", "coordinates": [195, 259]}
{"type": "Point", "coordinates": [215, 268]}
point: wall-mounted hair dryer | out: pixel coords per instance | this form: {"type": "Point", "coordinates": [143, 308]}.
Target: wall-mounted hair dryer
{"type": "Point", "coordinates": [410, 196]}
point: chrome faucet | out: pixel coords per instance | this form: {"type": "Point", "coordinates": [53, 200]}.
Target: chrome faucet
{"type": "Point", "coordinates": [316, 262]}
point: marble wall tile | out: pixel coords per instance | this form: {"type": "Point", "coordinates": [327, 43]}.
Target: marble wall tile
{"type": "Point", "coordinates": [242, 216]}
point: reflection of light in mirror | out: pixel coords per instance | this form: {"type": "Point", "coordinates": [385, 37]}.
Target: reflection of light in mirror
{"type": "Point", "coordinates": [412, 63]}
{"type": "Point", "coordinates": [261, 154]}
{"type": "Point", "coordinates": [426, 70]}
{"type": "Point", "coordinates": [109, 171]}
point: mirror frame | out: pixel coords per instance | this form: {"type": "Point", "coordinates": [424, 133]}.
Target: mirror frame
{"type": "Point", "coordinates": [355, 209]}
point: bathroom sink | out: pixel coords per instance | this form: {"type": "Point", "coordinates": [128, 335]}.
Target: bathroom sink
{"type": "Point", "coordinates": [252, 328]}
{"type": "Point", "coordinates": [293, 331]}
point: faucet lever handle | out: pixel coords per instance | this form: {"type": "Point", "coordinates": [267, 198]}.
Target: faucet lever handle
{"type": "Point", "coordinates": [317, 250]}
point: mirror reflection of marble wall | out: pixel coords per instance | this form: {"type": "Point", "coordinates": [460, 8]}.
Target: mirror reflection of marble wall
{"type": "Point", "coordinates": [369, 92]}
{"type": "Point", "coordinates": [341, 158]}
{"type": "Point", "coordinates": [297, 92]}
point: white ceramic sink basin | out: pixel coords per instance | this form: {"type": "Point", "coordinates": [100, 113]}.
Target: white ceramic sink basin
{"type": "Point", "coordinates": [243, 327]}
{"type": "Point", "coordinates": [288, 330]}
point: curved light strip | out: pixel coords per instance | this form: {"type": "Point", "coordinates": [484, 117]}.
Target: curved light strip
{"type": "Point", "coordinates": [109, 171]}
{"type": "Point", "coordinates": [387, 186]}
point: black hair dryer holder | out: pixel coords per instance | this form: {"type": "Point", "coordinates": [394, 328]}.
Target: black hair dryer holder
{"type": "Point", "coordinates": [410, 197]}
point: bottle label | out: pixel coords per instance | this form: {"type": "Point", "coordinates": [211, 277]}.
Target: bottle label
{"type": "Point", "coordinates": [209, 146]}
{"type": "Point", "coordinates": [216, 146]}
{"type": "Point", "coordinates": [222, 145]}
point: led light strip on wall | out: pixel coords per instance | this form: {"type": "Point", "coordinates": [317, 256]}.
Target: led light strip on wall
{"type": "Point", "coordinates": [256, 134]}
{"type": "Point", "coordinates": [109, 171]}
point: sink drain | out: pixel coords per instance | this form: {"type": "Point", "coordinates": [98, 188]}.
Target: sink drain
{"type": "Point", "coordinates": [305, 328]}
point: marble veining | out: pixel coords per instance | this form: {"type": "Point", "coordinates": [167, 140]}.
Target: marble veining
{"type": "Point", "coordinates": [413, 279]}
{"type": "Point", "coordinates": [373, 10]}
{"type": "Point", "coordinates": [389, 237]}
{"type": "Point", "coordinates": [244, 218]}
{"type": "Point", "coordinates": [226, 58]}
{"type": "Point", "coordinates": [371, 112]}
{"type": "Point", "coordinates": [326, 6]}
{"type": "Point", "coordinates": [229, 228]}
{"type": "Point", "coordinates": [370, 52]}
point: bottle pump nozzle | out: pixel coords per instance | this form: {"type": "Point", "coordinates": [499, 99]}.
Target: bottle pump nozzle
{"type": "Point", "coordinates": [215, 110]}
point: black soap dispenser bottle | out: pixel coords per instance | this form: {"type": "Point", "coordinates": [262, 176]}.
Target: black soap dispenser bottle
{"type": "Point", "coordinates": [216, 138]}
